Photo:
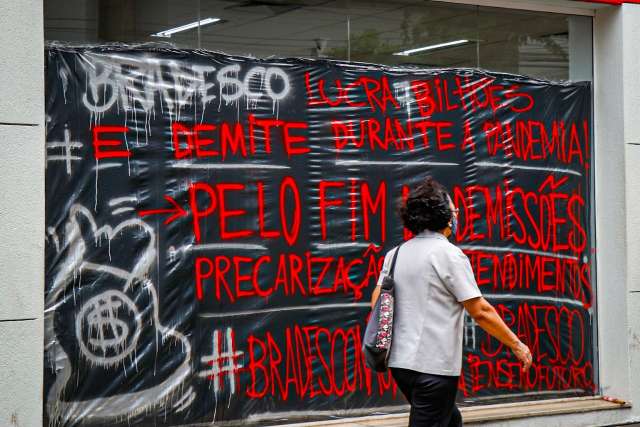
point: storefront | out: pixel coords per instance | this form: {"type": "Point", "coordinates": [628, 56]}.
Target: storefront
{"type": "Point", "coordinates": [568, 287]}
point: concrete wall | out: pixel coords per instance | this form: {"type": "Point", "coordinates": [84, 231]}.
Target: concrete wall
{"type": "Point", "coordinates": [631, 126]}
{"type": "Point", "coordinates": [21, 212]}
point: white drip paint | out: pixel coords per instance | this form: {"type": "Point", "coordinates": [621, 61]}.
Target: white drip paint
{"type": "Point", "coordinates": [473, 247]}
{"type": "Point", "coordinates": [95, 206]}
{"type": "Point", "coordinates": [67, 147]}
{"type": "Point", "coordinates": [122, 210]}
{"type": "Point", "coordinates": [70, 269]}
{"type": "Point", "coordinates": [64, 79]}
{"type": "Point", "coordinates": [103, 166]}
{"type": "Point", "coordinates": [531, 168]}
{"type": "Point", "coordinates": [120, 200]}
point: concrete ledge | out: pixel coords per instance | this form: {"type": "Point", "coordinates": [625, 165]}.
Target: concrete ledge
{"type": "Point", "coordinates": [510, 411]}
{"type": "Point", "coordinates": [485, 413]}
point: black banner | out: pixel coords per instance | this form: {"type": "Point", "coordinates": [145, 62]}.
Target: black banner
{"type": "Point", "coordinates": [216, 225]}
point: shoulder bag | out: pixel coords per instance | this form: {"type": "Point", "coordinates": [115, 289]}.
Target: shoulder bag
{"type": "Point", "coordinates": [376, 344]}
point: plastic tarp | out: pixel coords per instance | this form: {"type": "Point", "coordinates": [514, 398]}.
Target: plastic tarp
{"type": "Point", "coordinates": [216, 225]}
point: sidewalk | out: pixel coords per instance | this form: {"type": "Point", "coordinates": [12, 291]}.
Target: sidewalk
{"type": "Point", "coordinates": [481, 414]}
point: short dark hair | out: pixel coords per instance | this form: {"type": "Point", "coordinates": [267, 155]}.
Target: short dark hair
{"type": "Point", "coordinates": [426, 207]}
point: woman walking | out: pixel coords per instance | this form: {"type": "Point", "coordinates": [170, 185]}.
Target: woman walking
{"type": "Point", "coordinates": [434, 284]}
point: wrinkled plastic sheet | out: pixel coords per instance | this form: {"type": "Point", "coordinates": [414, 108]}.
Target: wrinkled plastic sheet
{"type": "Point", "coordinates": [216, 224]}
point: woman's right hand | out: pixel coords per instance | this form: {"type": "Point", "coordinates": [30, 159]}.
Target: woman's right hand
{"type": "Point", "coordinates": [523, 354]}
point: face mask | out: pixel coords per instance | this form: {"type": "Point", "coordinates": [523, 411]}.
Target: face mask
{"type": "Point", "coordinates": [454, 226]}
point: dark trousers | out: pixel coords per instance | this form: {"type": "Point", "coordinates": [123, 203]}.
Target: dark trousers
{"type": "Point", "coordinates": [432, 398]}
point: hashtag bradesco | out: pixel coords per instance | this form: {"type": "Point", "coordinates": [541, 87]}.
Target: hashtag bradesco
{"type": "Point", "coordinates": [302, 368]}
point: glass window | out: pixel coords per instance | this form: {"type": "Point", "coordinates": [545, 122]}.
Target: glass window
{"type": "Point", "coordinates": [432, 34]}
{"type": "Point", "coordinates": [425, 33]}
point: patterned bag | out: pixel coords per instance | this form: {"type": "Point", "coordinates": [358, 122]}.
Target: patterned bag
{"type": "Point", "coordinates": [376, 344]}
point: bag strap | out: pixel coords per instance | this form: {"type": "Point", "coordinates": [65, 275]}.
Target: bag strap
{"type": "Point", "coordinates": [393, 260]}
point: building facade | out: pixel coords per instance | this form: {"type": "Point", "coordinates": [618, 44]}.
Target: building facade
{"type": "Point", "coordinates": [556, 40]}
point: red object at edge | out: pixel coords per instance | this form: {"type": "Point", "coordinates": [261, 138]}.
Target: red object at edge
{"type": "Point", "coordinates": [615, 2]}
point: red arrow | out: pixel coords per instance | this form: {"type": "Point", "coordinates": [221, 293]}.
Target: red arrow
{"type": "Point", "coordinates": [176, 210]}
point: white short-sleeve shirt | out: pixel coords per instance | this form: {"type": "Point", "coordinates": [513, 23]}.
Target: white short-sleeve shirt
{"type": "Point", "coordinates": [432, 278]}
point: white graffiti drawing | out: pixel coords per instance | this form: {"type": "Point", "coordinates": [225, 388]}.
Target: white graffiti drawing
{"type": "Point", "coordinates": [127, 82]}
{"type": "Point", "coordinates": [51, 234]}
{"type": "Point", "coordinates": [404, 95]}
{"type": "Point", "coordinates": [223, 364]}
{"type": "Point", "coordinates": [67, 147]}
{"type": "Point", "coordinates": [104, 337]}
{"type": "Point", "coordinates": [108, 324]}
{"type": "Point", "coordinates": [64, 80]}
{"type": "Point", "coordinates": [232, 87]}
{"type": "Point", "coordinates": [470, 327]}
{"type": "Point", "coordinates": [116, 204]}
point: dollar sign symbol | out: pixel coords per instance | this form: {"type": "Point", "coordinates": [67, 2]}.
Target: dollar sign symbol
{"type": "Point", "coordinates": [106, 330]}
{"type": "Point", "coordinates": [104, 327]}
